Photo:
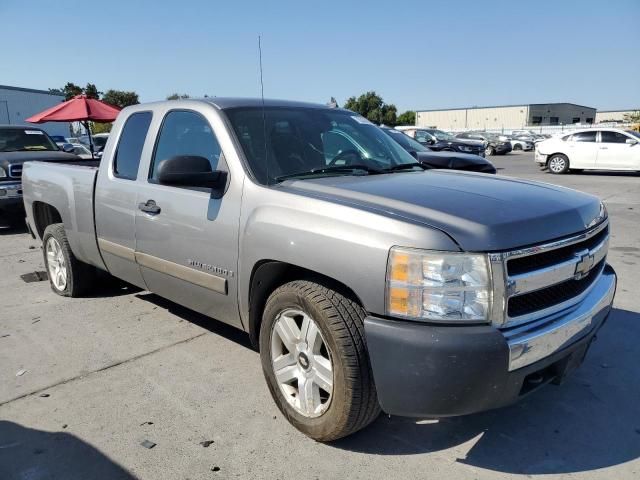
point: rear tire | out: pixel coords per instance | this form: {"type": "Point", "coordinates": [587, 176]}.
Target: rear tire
{"type": "Point", "coordinates": [489, 151]}
{"type": "Point", "coordinates": [558, 164]}
{"type": "Point", "coordinates": [314, 317]}
{"type": "Point", "coordinates": [68, 276]}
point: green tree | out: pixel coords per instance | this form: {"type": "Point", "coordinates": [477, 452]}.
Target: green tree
{"type": "Point", "coordinates": [91, 91]}
{"type": "Point", "coordinates": [371, 106]}
{"type": "Point", "coordinates": [100, 127]}
{"type": "Point", "coordinates": [120, 98]}
{"type": "Point", "coordinates": [407, 118]}
{"type": "Point", "coordinates": [178, 96]}
{"type": "Point", "coordinates": [70, 90]}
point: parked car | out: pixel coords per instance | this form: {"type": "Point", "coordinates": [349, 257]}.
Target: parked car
{"type": "Point", "coordinates": [440, 141]}
{"type": "Point", "coordinates": [592, 149]}
{"type": "Point", "coordinates": [450, 160]}
{"type": "Point", "coordinates": [366, 281]}
{"type": "Point", "coordinates": [19, 144]}
{"type": "Point", "coordinates": [59, 139]}
{"type": "Point", "coordinates": [99, 141]}
{"type": "Point", "coordinates": [522, 142]}
{"type": "Point", "coordinates": [81, 151]}
{"type": "Point", "coordinates": [493, 144]}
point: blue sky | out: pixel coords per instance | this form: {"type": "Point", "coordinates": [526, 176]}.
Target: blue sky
{"type": "Point", "coordinates": [416, 54]}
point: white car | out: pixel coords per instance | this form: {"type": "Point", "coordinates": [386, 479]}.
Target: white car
{"type": "Point", "coordinates": [591, 149]}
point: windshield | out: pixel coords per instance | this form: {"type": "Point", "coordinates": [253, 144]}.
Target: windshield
{"type": "Point", "coordinates": [440, 135]}
{"type": "Point", "coordinates": [18, 139]}
{"type": "Point", "coordinates": [631, 132]}
{"type": "Point", "coordinates": [294, 140]}
{"type": "Point", "coordinates": [406, 141]}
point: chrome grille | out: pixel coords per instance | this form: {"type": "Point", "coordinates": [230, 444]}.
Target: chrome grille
{"type": "Point", "coordinates": [541, 280]}
{"type": "Point", "coordinates": [15, 171]}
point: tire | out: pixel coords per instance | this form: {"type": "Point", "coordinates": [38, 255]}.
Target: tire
{"type": "Point", "coordinates": [517, 146]}
{"type": "Point", "coordinates": [558, 164]}
{"type": "Point", "coordinates": [489, 151]}
{"type": "Point", "coordinates": [68, 276]}
{"type": "Point", "coordinates": [350, 403]}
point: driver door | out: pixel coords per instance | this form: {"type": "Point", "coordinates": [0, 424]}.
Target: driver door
{"type": "Point", "coordinates": [186, 240]}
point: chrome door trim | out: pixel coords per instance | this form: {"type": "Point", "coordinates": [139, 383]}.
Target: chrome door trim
{"type": "Point", "coordinates": [202, 279]}
{"type": "Point", "coordinates": [116, 249]}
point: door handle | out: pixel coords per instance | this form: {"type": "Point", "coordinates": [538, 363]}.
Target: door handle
{"type": "Point", "coordinates": [150, 207]}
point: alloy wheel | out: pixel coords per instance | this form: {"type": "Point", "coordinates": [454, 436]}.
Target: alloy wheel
{"type": "Point", "coordinates": [301, 362]}
{"type": "Point", "coordinates": [56, 265]}
{"type": "Point", "coordinates": [557, 164]}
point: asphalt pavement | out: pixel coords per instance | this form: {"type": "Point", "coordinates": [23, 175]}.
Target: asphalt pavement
{"type": "Point", "coordinates": [124, 385]}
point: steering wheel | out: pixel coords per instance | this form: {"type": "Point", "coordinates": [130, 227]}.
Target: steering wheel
{"type": "Point", "coordinates": [343, 154]}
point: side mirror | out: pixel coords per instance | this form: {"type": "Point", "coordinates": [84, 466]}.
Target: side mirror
{"type": "Point", "coordinates": [67, 147]}
{"type": "Point", "coordinates": [414, 154]}
{"type": "Point", "coordinates": [431, 141]}
{"type": "Point", "coordinates": [192, 171]}
{"type": "Point", "coordinates": [631, 141]}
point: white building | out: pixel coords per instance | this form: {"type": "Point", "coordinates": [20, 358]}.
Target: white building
{"type": "Point", "coordinates": [506, 116]}
{"type": "Point", "coordinates": [604, 116]}
{"type": "Point", "coordinates": [17, 104]}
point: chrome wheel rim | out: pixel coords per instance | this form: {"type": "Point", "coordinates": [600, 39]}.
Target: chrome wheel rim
{"type": "Point", "coordinates": [556, 164]}
{"type": "Point", "coordinates": [56, 265]}
{"type": "Point", "coordinates": [488, 151]}
{"type": "Point", "coordinates": [301, 363]}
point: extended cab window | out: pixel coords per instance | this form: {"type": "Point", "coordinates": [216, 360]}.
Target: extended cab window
{"type": "Point", "coordinates": [129, 150]}
{"type": "Point", "coordinates": [185, 133]}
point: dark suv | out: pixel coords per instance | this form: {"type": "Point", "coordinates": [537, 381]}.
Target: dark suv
{"type": "Point", "coordinates": [493, 144]}
{"type": "Point", "coordinates": [440, 141]}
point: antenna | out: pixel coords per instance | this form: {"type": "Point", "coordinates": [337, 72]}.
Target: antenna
{"type": "Point", "coordinates": [264, 116]}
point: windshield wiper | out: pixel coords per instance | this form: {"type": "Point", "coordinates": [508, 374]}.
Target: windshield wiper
{"type": "Point", "coordinates": [337, 168]}
{"type": "Point", "coordinates": [405, 166]}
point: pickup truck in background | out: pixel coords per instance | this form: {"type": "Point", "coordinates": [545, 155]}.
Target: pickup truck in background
{"type": "Point", "coordinates": [366, 281]}
{"type": "Point", "coordinates": [18, 144]}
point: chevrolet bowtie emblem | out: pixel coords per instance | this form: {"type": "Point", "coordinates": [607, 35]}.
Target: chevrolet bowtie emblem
{"type": "Point", "coordinates": [584, 265]}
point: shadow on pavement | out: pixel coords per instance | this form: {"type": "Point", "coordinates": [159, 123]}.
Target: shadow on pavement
{"type": "Point", "coordinates": [571, 428]}
{"type": "Point", "coordinates": [214, 326]}
{"type": "Point", "coordinates": [26, 453]}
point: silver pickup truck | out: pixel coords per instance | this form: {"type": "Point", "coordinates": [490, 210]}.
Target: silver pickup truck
{"type": "Point", "coordinates": [367, 282]}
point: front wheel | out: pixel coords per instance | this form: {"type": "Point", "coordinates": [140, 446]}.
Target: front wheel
{"type": "Point", "coordinates": [489, 151]}
{"type": "Point", "coordinates": [315, 360]}
{"type": "Point", "coordinates": [558, 164]}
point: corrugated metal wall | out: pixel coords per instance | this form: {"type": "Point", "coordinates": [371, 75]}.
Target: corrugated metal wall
{"type": "Point", "coordinates": [17, 104]}
{"type": "Point", "coordinates": [505, 117]}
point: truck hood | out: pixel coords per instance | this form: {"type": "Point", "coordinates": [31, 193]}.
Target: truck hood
{"type": "Point", "coordinates": [18, 158]}
{"type": "Point", "coordinates": [480, 212]}
{"type": "Point", "coordinates": [456, 161]}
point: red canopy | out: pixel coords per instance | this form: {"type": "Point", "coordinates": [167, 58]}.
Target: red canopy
{"type": "Point", "coordinates": [79, 108]}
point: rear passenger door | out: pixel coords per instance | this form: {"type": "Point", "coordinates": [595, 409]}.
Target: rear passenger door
{"type": "Point", "coordinates": [188, 249]}
{"type": "Point", "coordinates": [582, 149]}
{"type": "Point", "coordinates": [614, 153]}
{"type": "Point", "coordinates": [116, 197]}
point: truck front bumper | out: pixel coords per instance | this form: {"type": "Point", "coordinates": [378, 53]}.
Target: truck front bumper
{"type": "Point", "coordinates": [426, 370]}
{"type": "Point", "coordinates": [10, 195]}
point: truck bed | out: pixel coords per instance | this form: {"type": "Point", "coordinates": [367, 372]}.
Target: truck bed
{"type": "Point", "coordinates": [68, 187]}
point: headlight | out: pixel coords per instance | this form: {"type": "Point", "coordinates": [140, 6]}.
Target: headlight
{"type": "Point", "coordinates": [436, 286]}
{"type": "Point", "coordinates": [3, 174]}
{"type": "Point", "coordinates": [464, 148]}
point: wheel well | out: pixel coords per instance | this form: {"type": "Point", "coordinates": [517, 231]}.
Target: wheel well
{"type": "Point", "coordinates": [44, 215]}
{"type": "Point", "coordinates": [271, 274]}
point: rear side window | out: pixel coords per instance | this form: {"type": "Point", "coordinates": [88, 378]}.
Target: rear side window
{"type": "Point", "coordinates": [584, 137]}
{"type": "Point", "coordinates": [185, 132]}
{"type": "Point", "coordinates": [613, 137]}
{"type": "Point", "coordinates": [129, 150]}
